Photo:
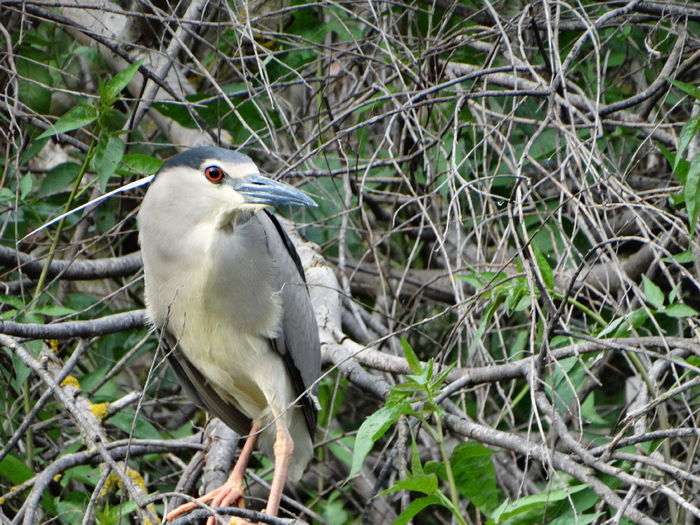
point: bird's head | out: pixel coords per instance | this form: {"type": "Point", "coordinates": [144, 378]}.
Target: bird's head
{"type": "Point", "coordinates": [223, 183]}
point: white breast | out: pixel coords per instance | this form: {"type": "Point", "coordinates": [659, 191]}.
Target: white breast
{"type": "Point", "coordinates": [222, 309]}
{"type": "Point", "coordinates": [217, 292]}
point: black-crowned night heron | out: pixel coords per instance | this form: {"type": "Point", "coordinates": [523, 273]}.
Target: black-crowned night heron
{"type": "Point", "coordinates": [226, 291]}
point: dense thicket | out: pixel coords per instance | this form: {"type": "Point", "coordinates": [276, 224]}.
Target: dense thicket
{"type": "Point", "coordinates": [504, 259]}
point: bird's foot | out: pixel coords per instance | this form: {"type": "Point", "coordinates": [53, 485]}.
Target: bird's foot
{"type": "Point", "coordinates": [224, 496]}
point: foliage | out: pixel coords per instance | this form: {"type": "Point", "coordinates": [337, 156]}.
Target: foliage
{"type": "Point", "coordinates": [508, 193]}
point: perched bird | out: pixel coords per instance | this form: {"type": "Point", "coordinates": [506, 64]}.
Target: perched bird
{"type": "Point", "coordinates": [226, 291]}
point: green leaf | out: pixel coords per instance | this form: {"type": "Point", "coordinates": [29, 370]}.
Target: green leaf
{"type": "Point", "coordinates": [690, 129]}
{"type": "Point", "coordinates": [415, 507]}
{"type": "Point", "coordinates": [30, 64]}
{"type": "Point", "coordinates": [138, 428]}
{"type": "Point", "coordinates": [114, 515]}
{"type": "Point", "coordinates": [72, 507]}
{"type": "Point", "coordinates": [574, 517]}
{"type": "Point", "coordinates": [91, 54]}
{"type": "Point", "coordinates": [693, 360]}
{"type": "Point", "coordinates": [690, 89]}
{"type": "Point", "coordinates": [76, 117]}
{"type": "Point", "coordinates": [110, 91]}
{"type": "Point", "coordinates": [176, 111]}
{"type": "Point", "coordinates": [139, 163]}
{"type": "Point", "coordinates": [509, 509]}
{"type": "Point", "coordinates": [13, 470]}
{"type": "Point", "coordinates": [7, 195]}
{"type": "Point", "coordinates": [620, 327]}
{"type": "Point", "coordinates": [682, 257]}
{"type": "Point", "coordinates": [416, 463]}
{"type": "Point", "coordinates": [670, 157]}
{"type": "Point", "coordinates": [108, 390]}
{"type": "Point", "coordinates": [523, 304]}
{"type": "Point", "coordinates": [474, 475]}
{"type": "Point", "coordinates": [691, 192]}
{"type": "Point", "coordinates": [679, 311]}
{"type": "Point", "coordinates": [653, 293]}
{"type": "Point", "coordinates": [52, 310]}
{"type": "Point", "coordinates": [518, 298]}
{"type": "Point", "coordinates": [59, 179]}
{"type": "Point", "coordinates": [374, 428]}
{"type": "Point", "coordinates": [411, 357]}
{"type": "Point", "coordinates": [566, 377]}
{"type": "Point", "coordinates": [83, 474]}
{"type": "Point", "coordinates": [680, 169]}
{"type": "Point", "coordinates": [20, 372]}
{"type": "Point", "coordinates": [673, 294]}
{"type": "Point", "coordinates": [637, 318]}
{"type": "Point", "coordinates": [589, 411]}
{"type": "Point", "coordinates": [333, 508]}
{"type": "Point", "coordinates": [108, 155]}
{"type": "Point", "coordinates": [341, 447]}
{"type": "Point", "coordinates": [12, 300]}
{"type": "Point", "coordinates": [479, 280]}
{"type": "Point", "coordinates": [425, 483]}
{"type": "Point", "coordinates": [25, 185]}
{"type": "Point", "coordinates": [483, 325]}
{"type": "Point", "coordinates": [544, 267]}
{"type": "Point", "coordinates": [441, 377]}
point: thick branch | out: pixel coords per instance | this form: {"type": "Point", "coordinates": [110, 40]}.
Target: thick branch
{"type": "Point", "coordinates": [110, 267]}
{"type": "Point", "coordinates": [94, 327]}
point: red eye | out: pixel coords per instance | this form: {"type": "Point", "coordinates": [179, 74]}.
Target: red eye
{"type": "Point", "coordinates": [214, 174]}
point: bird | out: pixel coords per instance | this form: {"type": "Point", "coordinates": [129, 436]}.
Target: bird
{"type": "Point", "coordinates": [227, 295]}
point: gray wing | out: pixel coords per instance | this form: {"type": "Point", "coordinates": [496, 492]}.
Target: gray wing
{"type": "Point", "coordinates": [198, 389]}
{"type": "Point", "coordinates": [297, 342]}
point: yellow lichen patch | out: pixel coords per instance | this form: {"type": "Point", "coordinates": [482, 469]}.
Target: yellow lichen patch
{"type": "Point", "coordinates": [71, 381]}
{"type": "Point", "coordinates": [152, 509]}
{"type": "Point", "coordinates": [267, 43]}
{"type": "Point", "coordinates": [137, 478]}
{"type": "Point", "coordinates": [112, 483]}
{"type": "Point", "coordinates": [99, 410]}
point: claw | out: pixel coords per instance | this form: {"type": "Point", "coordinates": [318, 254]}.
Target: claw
{"type": "Point", "coordinates": [229, 492]}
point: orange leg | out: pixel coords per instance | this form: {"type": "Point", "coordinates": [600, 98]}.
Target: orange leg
{"type": "Point", "coordinates": [284, 448]}
{"type": "Point", "coordinates": [232, 489]}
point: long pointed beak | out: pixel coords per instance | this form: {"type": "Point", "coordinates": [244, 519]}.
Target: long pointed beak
{"type": "Point", "coordinates": [257, 189]}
